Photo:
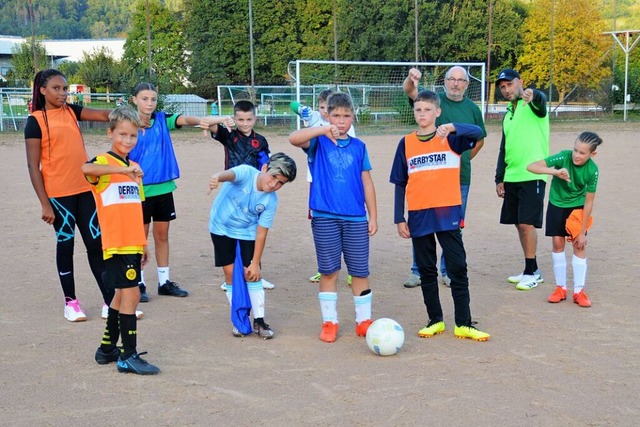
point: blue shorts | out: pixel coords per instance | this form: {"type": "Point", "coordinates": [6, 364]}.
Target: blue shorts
{"type": "Point", "coordinates": [333, 237]}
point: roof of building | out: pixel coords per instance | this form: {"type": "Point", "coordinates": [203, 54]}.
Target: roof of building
{"type": "Point", "coordinates": [69, 50]}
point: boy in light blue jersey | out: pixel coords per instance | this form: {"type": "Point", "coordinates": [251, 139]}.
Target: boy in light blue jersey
{"type": "Point", "coordinates": [243, 212]}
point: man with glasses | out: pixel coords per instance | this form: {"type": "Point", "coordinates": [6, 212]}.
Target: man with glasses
{"type": "Point", "coordinates": [456, 108]}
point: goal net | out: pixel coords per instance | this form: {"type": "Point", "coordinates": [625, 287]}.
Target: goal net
{"type": "Point", "coordinates": [376, 88]}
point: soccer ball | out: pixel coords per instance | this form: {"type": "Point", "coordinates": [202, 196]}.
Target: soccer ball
{"type": "Point", "coordinates": [385, 337]}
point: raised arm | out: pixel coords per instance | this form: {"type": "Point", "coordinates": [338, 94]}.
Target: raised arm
{"type": "Point", "coordinates": [300, 138]}
{"type": "Point", "coordinates": [223, 176]}
{"type": "Point", "coordinates": [94, 115]}
{"type": "Point", "coordinates": [540, 167]}
{"type": "Point", "coordinates": [410, 84]}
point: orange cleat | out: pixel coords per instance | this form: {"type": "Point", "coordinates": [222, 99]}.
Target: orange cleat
{"type": "Point", "coordinates": [560, 294]}
{"type": "Point", "coordinates": [329, 332]}
{"type": "Point", "coordinates": [582, 299]}
{"type": "Point", "coordinates": [363, 327]}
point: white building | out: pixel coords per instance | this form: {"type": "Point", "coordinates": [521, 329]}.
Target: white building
{"type": "Point", "coordinates": [60, 50]}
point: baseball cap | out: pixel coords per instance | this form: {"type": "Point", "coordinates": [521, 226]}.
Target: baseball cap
{"type": "Point", "coordinates": [507, 74]}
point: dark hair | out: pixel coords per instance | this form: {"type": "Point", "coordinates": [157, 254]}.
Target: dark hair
{"type": "Point", "coordinates": [144, 86]}
{"type": "Point", "coordinates": [339, 100]}
{"type": "Point", "coordinates": [590, 138]}
{"type": "Point", "coordinates": [324, 95]}
{"type": "Point", "coordinates": [428, 96]}
{"type": "Point", "coordinates": [244, 106]}
{"type": "Point", "coordinates": [40, 80]}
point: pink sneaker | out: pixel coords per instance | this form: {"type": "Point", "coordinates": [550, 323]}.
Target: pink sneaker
{"type": "Point", "coordinates": [73, 312]}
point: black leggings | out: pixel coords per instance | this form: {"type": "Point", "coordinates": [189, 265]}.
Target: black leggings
{"type": "Point", "coordinates": [80, 210]}
{"type": "Point", "coordinates": [426, 258]}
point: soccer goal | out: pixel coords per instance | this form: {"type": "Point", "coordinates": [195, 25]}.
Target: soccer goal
{"type": "Point", "coordinates": [376, 87]}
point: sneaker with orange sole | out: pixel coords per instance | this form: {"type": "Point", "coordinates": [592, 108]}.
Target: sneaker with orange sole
{"type": "Point", "coordinates": [582, 299]}
{"type": "Point", "coordinates": [560, 294]}
{"type": "Point", "coordinates": [363, 327]}
{"type": "Point", "coordinates": [329, 332]}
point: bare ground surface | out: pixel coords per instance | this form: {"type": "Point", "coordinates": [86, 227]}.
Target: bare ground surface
{"type": "Point", "coordinates": [545, 364]}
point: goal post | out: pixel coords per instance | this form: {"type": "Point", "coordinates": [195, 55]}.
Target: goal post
{"type": "Point", "coordinates": [376, 87]}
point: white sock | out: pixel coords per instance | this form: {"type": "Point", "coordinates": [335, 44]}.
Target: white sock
{"type": "Point", "coordinates": [163, 275]}
{"type": "Point", "coordinates": [560, 268]}
{"type": "Point", "coordinates": [328, 303]}
{"type": "Point", "coordinates": [229, 292]}
{"type": "Point", "coordinates": [579, 273]}
{"type": "Point", "coordinates": [256, 295]}
{"type": "Point", "coordinates": [363, 307]}
{"type": "Point", "coordinates": [141, 282]}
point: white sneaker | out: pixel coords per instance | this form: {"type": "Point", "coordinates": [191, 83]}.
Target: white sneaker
{"type": "Point", "coordinates": [73, 312]}
{"type": "Point", "coordinates": [518, 278]}
{"type": "Point", "coordinates": [105, 312]}
{"type": "Point", "coordinates": [528, 282]}
{"type": "Point", "coordinates": [446, 281]}
{"type": "Point", "coordinates": [223, 287]}
{"type": "Point", "coordinates": [267, 284]}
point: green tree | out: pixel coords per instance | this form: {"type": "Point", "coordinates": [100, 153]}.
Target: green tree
{"type": "Point", "coordinates": [578, 45]}
{"type": "Point", "coordinates": [99, 70]}
{"type": "Point", "coordinates": [22, 60]}
{"type": "Point", "coordinates": [168, 58]}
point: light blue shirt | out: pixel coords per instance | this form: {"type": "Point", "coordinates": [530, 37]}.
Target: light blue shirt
{"type": "Point", "coordinates": [240, 207]}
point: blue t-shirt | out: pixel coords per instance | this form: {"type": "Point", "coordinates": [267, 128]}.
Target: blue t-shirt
{"type": "Point", "coordinates": [337, 190]}
{"type": "Point", "coordinates": [240, 207]}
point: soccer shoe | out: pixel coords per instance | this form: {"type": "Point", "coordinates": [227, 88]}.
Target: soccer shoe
{"type": "Point", "coordinates": [329, 332]}
{"type": "Point", "coordinates": [172, 289]}
{"type": "Point", "coordinates": [446, 281]}
{"type": "Point", "coordinates": [103, 358]}
{"type": "Point", "coordinates": [559, 294]}
{"type": "Point", "coordinates": [262, 329]}
{"type": "Point", "coordinates": [236, 333]}
{"type": "Point", "coordinates": [470, 332]}
{"type": "Point", "coordinates": [433, 328]}
{"type": "Point", "coordinates": [412, 282]}
{"type": "Point", "coordinates": [267, 284]}
{"type": "Point", "coordinates": [518, 278]}
{"type": "Point", "coordinates": [105, 312]}
{"type": "Point", "coordinates": [527, 283]}
{"type": "Point", "coordinates": [144, 296]}
{"type": "Point", "coordinates": [315, 278]}
{"type": "Point", "coordinates": [363, 327]}
{"type": "Point", "coordinates": [137, 365]}
{"type": "Point", "coordinates": [73, 312]}
{"type": "Point", "coordinates": [582, 299]}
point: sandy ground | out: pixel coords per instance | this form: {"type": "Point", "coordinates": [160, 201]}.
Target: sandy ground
{"type": "Point", "coordinates": [546, 364]}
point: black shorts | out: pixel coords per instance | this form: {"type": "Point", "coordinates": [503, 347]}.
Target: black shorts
{"type": "Point", "coordinates": [122, 271]}
{"type": "Point", "coordinates": [523, 203]}
{"type": "Point", "coordinates": [160, 208]}
{"type": "Point", "coordinates": [556, 222]}
{"type": "Point", "coordinates": [224, 249]}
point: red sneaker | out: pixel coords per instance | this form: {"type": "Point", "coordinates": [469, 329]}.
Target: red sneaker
{"type": "Point", "coordinates": [560, 294]}
{"type": "Point", "coordinates": [329, 332]}
{"type": "Point", "coordinates": [582, 299]}
{"type": "Point", "coordinates": [363, 327]}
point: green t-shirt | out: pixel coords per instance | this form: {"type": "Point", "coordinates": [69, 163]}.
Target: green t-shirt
{"type": "Point", "coordinates": [584, 179]}
{"type": "Point", "coordinates": [465, 111]}
{"type": "Point", "coordinates": [169, 186]}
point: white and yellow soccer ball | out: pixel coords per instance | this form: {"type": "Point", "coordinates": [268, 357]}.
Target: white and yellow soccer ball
{"type": "Point", "coordinates": [385, 337]}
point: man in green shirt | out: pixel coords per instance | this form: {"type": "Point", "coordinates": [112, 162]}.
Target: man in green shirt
{"type": "Point", "coordinates": [456, 108]}
{"type": "Point", "coordinates": [525, 139]}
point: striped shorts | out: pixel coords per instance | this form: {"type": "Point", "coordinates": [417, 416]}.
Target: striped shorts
{"type": "Point", "coordinates": [333, 237]}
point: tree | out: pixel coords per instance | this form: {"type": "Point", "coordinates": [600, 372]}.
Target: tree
{"type": "Point", "coordinates": [578, 45]}
{"type": "Point", "coordinates": [99, 70]}
{"type": "Point", "coordinates": [22, 60]}
{"type": "Point", "coordinates": [168, 58]}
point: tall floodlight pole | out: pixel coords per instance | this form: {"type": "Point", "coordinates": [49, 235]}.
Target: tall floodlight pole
{"type": "Point", "coordinates": [149, 43]}
{"type": "Point", "coordinates": [415, 7]}
{"type": "Point", "coordinates": [33, 39]}
{"type": "Point", "coordinates": [486, 105]}
{"type": "Point", "coordinates": [627, 48]}
{"type": "Point", "coordinates": [551, 54]}
{"type": "Point", "coordinates": [251, 50]}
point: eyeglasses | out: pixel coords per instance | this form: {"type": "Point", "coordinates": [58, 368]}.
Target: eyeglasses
{"type": "Point", "coordinates": [459, 81]}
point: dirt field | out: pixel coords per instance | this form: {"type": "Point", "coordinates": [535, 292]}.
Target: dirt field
{"type": "Point", "coordinates": [545, 365]}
